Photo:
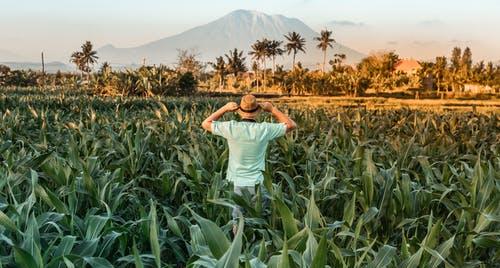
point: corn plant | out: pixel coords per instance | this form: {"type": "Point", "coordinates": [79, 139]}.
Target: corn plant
{"type": "Point", "coordinates": [135, 182]}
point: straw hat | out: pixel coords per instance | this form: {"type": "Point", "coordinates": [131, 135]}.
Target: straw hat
{"type": "Point", "coordinates": [249, 105]}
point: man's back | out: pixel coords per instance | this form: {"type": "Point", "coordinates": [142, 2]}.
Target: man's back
{"type": "Point", "coordinates": [247, 143]}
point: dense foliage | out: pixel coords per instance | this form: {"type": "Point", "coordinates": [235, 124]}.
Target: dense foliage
{"type": "Point", "coordinates": [105, 181]}
{"type": "Point", "coordinates": [377, 71]}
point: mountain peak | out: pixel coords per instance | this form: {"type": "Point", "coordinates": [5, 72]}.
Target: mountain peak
{"type": "Point", "coordinates": [246, 12]}
{"type": "Point", "coordinates": [237, 29]}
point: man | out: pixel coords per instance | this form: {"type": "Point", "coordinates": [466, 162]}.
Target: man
{"type": "Point", "coordinates": [247, 141]}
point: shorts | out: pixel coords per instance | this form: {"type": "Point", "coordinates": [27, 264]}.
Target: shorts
{"type": "Point", "coordinates": [251, 189]}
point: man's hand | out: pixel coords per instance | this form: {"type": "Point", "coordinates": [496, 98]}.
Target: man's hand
{"type": "Point", "coordinates": [231, 107]}
{"type": "Point", "coordinates": [266, 106]}
{"type": "Point", "coordinates": [281, 117]}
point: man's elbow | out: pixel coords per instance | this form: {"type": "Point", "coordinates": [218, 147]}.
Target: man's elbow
{"type": "Point", "coordinates": [206, 126]}
{"type": "Point", "coordinates": [291, 126]}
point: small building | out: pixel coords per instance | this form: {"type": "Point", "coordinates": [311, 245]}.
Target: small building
{"type": "Point", "coordinates": [408, 66]}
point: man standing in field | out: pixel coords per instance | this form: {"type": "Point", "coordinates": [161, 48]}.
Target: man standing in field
{"type": "Point", "coordinates": [247, 140]}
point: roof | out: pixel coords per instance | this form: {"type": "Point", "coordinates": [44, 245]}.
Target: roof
{"type": "Point", "coordinates": [407, 65]}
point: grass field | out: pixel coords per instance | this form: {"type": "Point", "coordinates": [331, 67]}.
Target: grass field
{"type": "Point", "coordinates": [135, 182]}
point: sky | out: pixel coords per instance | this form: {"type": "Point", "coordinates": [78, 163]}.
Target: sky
{"type": "Point", "coordinates": [420, 29]}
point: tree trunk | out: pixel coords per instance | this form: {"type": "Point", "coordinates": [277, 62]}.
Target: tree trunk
{"type": "Point", "coordinates": [43, 71]}
{"type": "Point", "coordinates": [274, 64]}
{"type": "Point", "coordinates": [264, 73]}
{"type": "Point", "coordinates": [438, 85]}
{"type": "Point", "coordinates": [324, 61]}
{"type": "Point", "coordinates": [220, 82]}
{"type": "Point", "coordinates": [257, 78]}
{"type": "Point", "coordinates": [293, 68]}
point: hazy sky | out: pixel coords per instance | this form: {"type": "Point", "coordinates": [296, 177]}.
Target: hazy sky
{"type": "Point", "coordinates": [422, 29]}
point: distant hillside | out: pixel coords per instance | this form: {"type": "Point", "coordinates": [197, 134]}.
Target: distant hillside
{"type": "Point", "coordinates": [238, 29]}
{"type": "Point", "coordinates": [50, 67]}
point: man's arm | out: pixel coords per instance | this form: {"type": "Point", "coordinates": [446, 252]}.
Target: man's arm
{"type": "Point", "coordinates": [280, 117]}
{"type": "Point", "coordinates": [229, 107]}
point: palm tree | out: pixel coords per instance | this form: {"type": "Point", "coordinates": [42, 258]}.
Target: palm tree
{"type": "Point", "coordinates": [337, 61]}
{"type": "Point", "coordinates": [325, 40]}
{"type": "Point", "coordinates": [274, 49]}
{"type": "Point", "coordinates": [76, 59]}
{"type": "Point", "coordinates": [220, 70]}
{"type": "Point", "coordinates": [259, 52]}
{"type": "Point", "coordinates": [439, 71]}
{"type": "Point", "coordinates": [235, 62]}
{"type": "Point", "coordinates": [295, 43]}
{"type": "Point", "coordinates": [85, 58]}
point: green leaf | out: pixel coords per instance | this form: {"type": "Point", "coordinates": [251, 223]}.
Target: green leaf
{"type": "Point", "coordinates": [7, 222]}
{"type": "Point", "coordinates": [313, 215]}
{"type": "Point", "coordinates": [231, 258]}
{"type": "Point", "coordinates": [383, 258]}
{"type": "Point", "coordinates": [215, 238]}
{"type": "Point", "coordinates": [153, 235]}
{"type": "Point", "coordinates": [443, 251]}
{"type": "Point", "coordinates": [319, 260]}
{"type": "Point", "coordinates": [172, 225]}
{"type": "Point", "coordinates": [311, 247]}
{"type": "Point", "coordinates": [299, 239]}
{"type": "Point", "coordinates": [24, 259]}
{"type": "Point", "coordinates": [65, 246]}
{"type": "Point", "coordinates": [284, 262]}
{"type": "Point", "coordinates": [86, 248]}
{"type": "Point", "coordinates": [51, 199]}
{"type": "Point", "coordinates": [95, 224]}
{"type": "Point", "coordinates": [31, 242]}
{"type": "Point", "coordinates": [349, 210]}
{"type": "Point", "coordinates": [287, 218]}
{"type": "Point", "coordinates": [486, 242]}
{"type": "Point", "coordinates": [137, 258]}
{"type": "Point", "coordinates": [97, 262]}
{"type": "Point", "coordinates": [68, 263]}
{"type": "Point", "coordinates": [414, 259]}
{"type": "Point", "coordinates": [262, 250]}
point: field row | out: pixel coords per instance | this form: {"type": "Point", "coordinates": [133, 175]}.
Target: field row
{"type": "Point", "coordinates": [136, 182]}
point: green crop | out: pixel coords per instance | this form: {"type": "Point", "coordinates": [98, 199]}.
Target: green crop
{"type": "Point", "coordinates": [136, 182]}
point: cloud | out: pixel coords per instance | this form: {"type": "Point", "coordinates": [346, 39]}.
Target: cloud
{"type": "Point", "coordinates": [345, 23]}
{"type": "Point", "coordinates": [392, 43]}
{"type": "Point", "coordinates": [431, 23]}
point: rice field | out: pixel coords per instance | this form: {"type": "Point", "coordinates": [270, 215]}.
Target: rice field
{"type": "Point", "coordinates": [135, 182]}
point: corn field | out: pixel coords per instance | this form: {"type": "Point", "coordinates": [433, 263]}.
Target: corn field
{"type": "Point", "coordinates": [135, 182]}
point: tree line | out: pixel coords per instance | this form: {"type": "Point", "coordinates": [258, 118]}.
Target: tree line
{"type": "Point", "coordinates": [230, 71]}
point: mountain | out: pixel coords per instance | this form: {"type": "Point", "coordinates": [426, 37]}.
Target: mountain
{"type": "Point", "coordinates": [238, 29]}
{"type": "Point", "coordinates": [50, 67]}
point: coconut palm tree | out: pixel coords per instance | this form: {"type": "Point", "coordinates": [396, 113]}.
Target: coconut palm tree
{"type": "Point", "coordinates": [76, 59]}
{"type": "Point", "coordinates": [85, 59]}
{"type": "Point", "coordinates": [295, 43]}
{"type": "Point", "coordinates": [235, 62]}
{"type": "Point", "coordinates": [337, 61]}
{"type": "Point", "coordinates": [220, 69]}
{"type": "Point", "coordinates": [259, 52]}
{"type": "Point", "coordinates": [274, 49]}
{"type": "Point", "coordinates": [325, 40]}
{"type": "Point", "coordinates": [439, 71]}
